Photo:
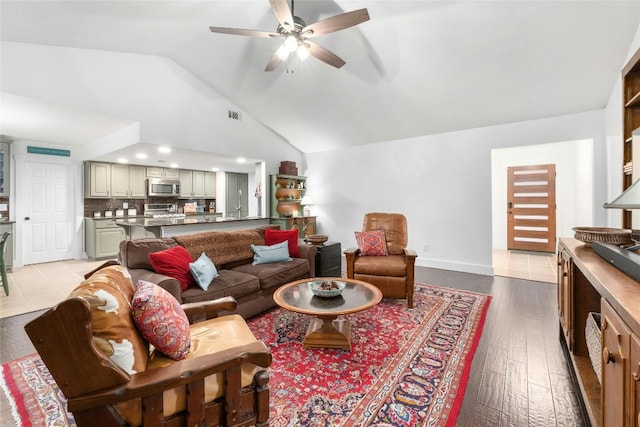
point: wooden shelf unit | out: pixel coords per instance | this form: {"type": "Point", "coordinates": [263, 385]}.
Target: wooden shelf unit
{"type": "Point", "coordinates": [588, 283]}
{"type": "Point", "coordinates": [631, 121]}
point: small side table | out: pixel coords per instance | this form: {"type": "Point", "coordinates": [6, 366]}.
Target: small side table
{"type": "Point", "coordinates": [329, 260]}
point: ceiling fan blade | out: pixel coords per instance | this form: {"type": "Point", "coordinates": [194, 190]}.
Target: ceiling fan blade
{"type": "Point", "coordinates": [325, 55]}
{"type": "Point", "coordinates": [241, 32]}
{"type": "Point", "coordinates": [283, 13]}
{"type": "Point", "coordinates": [336, 23]}
{"type": "Point", "coordinates": [274, 62]}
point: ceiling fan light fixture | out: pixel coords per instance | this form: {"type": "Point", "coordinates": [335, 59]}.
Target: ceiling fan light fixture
{"type": "Point", "coordinates": [303, 52]}
{"type": "Point", "coordinates": [283, 52]}
{"type": "Point", "coordinates": [291, 43]}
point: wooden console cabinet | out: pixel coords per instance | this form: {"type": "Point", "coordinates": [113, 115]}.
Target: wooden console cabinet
{"type": "Point", "coordinates": [586, 283]}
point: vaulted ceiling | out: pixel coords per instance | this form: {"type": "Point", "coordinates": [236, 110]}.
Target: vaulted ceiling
{"type": "Point", "coordinates": [416, 68]}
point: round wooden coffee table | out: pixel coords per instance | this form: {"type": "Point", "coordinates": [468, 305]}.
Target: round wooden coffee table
{"type": "Point", "coordinates": [325, 329]}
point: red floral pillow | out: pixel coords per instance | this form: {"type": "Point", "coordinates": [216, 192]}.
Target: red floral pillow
{"type": "Point", "coordinates": [372, 243]}
{"type": "Point", "coordinates": [272, 237]}
{"type": "Point", "coordinates": [174, 262]}
{"type": "Point", "coordinates": [161, 320]}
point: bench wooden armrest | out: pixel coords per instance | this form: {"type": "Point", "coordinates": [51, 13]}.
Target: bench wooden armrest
{"type": "Point", "coordinates": [180, 373]}
{"type": "Point", "coordinates": [198, 311]}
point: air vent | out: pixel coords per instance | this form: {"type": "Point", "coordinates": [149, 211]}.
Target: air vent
{"type": "Point", "coordinates": [234, 115]}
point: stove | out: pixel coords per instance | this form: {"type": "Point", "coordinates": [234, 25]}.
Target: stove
{"type": "Point", "coordinates": [162, 210]}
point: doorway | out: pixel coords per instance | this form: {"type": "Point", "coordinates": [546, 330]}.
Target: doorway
{"type": "Point", "coordinates": [47, 216]}
{"type": "Point", "coordinates": [237, 195]}
{"type": "Point", "coordinates": [531, 208]}
{"type": "Point", "coordinates": [574, 163]}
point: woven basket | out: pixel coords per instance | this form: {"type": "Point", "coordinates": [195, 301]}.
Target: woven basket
{"type": "Point", "coordinates": [593, 335]}
{"type": "Point", "coordinates": [615, 236]}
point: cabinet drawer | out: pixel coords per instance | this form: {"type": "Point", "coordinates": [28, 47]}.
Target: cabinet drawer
{"type": "Point", "coordinates": [105, 223]}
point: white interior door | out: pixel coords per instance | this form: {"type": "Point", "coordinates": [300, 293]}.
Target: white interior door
{"type": "Point", "coordinates": [48, 220]}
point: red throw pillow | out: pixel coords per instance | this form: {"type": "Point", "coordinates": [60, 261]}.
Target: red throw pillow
{"type": "Point", "coordinates": [272, 237]}
{"type": "Point", "coordinates": [174, 262]}
{"type": "Point", "coordinates": [372, 243]}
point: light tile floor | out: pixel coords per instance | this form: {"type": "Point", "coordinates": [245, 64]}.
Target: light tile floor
{"type": "Point", "coordinates": [38, 286]}
{"type": "Point", "coordinates": [538, 266]}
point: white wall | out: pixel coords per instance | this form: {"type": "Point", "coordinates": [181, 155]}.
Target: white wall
{"type": "Point", "coordinates": [574, 183]}
{"type": "Point", "coordinates": [167, 104]}
{"type": "Point", "coordinates": [171, 105]}
{"type": "Point", "coordinates": [442, 183]}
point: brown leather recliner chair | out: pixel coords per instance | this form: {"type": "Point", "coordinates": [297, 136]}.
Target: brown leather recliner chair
{"type": "Point", "coordinates": [392, 274]}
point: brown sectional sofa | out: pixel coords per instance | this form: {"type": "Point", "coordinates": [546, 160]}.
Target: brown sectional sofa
{"type": "Point", "coordinates": [251, 285]}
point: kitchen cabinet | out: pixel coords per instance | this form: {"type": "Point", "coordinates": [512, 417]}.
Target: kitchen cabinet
{"type": "Point", "coordinates": [191, 184]}
{"type": "Point", "coordinates": [616, 349]}
{"type": "Point", "coordinates": [564, 295]}
{"type": "Point", "coordinates": [169, 173]}
{"type": "Point", "coordinates": [97, 180]}
{"type": "Point", "coordinates": [102, 238]}
{"type": "Point", "coordinates": [597, 286]}
{"type": "Point", "coordinates": [128, 181]}
{"type": "Point", "coordinates": [306, 225]}
{"type": "Point", "coordinates": [209, 185]}
{"type": "Point", "coordinates": [4, 169]}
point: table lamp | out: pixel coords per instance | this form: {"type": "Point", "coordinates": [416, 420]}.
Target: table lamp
{"type": "Point", "coordinates": [306, 202]}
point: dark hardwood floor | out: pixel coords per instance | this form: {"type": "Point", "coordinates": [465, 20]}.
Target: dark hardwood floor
{"type": "Point", "coordinates": [519, 376]}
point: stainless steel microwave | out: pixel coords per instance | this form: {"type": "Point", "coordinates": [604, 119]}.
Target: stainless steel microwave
{"type": "Point", "coordinates": [163, 187]}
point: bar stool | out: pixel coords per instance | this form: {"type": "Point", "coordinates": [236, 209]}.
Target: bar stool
{"type": "Point", "coordinates": [3, 265]}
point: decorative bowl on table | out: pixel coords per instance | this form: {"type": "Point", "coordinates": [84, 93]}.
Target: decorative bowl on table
{"type": "Point", "coordinates": [327, 288]}
{"type": "Point", "coordinates": [614, 236]}
{"type": "Point", "coordinates": [316, 239]}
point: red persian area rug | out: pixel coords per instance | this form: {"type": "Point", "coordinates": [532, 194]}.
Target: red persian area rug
{"type": "Point", "coordinates": [407, 367]}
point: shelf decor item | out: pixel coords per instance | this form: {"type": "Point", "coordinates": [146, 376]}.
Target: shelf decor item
{"type": "Point", "coordinates": [316, 239]}
{"type": "Point", "coordinates": [615, 236]}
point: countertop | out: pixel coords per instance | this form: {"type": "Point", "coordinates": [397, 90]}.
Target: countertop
{"type": "Point", "coordinates": [164, 222]}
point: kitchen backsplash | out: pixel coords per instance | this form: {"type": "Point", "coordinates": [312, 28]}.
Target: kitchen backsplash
{"type": "Point", "coordinates": [101, 205]}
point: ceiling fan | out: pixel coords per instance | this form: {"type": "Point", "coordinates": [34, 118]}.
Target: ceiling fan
{"type": "Point", "coordinates": [296, 33]}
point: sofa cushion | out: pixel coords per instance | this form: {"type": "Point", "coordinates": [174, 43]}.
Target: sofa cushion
{"type": "Point", "coordinates": [268, 254]}
{"type": "Point", "coordinates": [161, 320]}
{"type": "Point", "coordinates": [271, 237]}
{"type": "Point", "coordinates": [222, 247]}
{"type": "Point", "coordinates": [393, 265]}
{"type": "Point", "coordinates": [372, 243]}
{"type": "Point", "coordinates": [109, 292]}
{"type": "Point", "coordinates": [135, 253]}
{"type": "Point", "coordinates": [203, 270]}
{"type": "Point", "coordinates": [277, 273]}
{"type": "Point", "coordinates": [228, 283]}
{"type": "Point", "coordinates": [174, 262]}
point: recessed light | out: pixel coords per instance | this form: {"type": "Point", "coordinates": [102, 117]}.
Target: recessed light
{"type": "Point", "coordinates": [141, 156]}
{"type": "Point", "coordinates": [123, 160]}
{"type": "Point", "coordinates": [173, 165]}
{"type": "Point", "coordinates": [215, 169]}
{"type": "Point", "coordinates": [164, 150]}
{"type": "Point", "coordinates": [241, 160]}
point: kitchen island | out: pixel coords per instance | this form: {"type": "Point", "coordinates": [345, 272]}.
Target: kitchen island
{"type": "Point", "coordinates": [137, 228]}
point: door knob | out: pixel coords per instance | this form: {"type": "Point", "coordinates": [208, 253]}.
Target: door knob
{"type": "Point", "coordinates": [26, 218]}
